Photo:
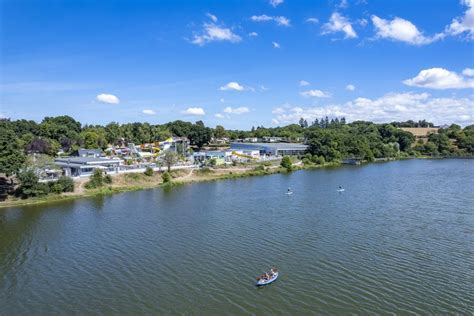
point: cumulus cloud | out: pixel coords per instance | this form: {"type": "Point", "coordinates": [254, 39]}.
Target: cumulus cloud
{"type": "Point", "coordinates": [312, 20]}
{"type": "Point", "coordinates": [275, 45]}
{"type": "Point", "coordinates": [401, 30]}
{"type": "Point", "coordinates": [194, 111]}
{"type": "Point", "coordinates": [253, 34]}
{"type": "Point", "coordinates": [219, 115]}
{"type": "Point", "coordinates": [212, 32]}
{"type": "Point", "coordinates": [314, 94]}
{"type": "Point", "coordinates": [440, 78]}
{"type": "Point", "coordinates": [468, 72]}
{"type": "Point", "coordinates": [232, 86]}
{"type": "Point", "coordinates": [464, 24]}
{"type": "Point", "coordinates": [107, 98]}
{"type": "Point", "coordinates": [148, 112]}
{"type": "Point", "coordinates": [239, 110]}
{"type": "Point", "coordinates": [339, 23]}
{"type": "Point", "coordinates": [350, 87]}
{"type": "Point", "coordinates": [279, 20]}
{"type": "Point", "coordinates": [304, 83]}
{"type": "Point", "coordinates": [388, 108]}
{"type": "Point", "coordinates": [275, 122]}
{"type": "Point", "coordinates": [275, 3]}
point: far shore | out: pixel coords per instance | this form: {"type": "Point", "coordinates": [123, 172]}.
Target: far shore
{"type": "Point", "coordinates": [138, 181]}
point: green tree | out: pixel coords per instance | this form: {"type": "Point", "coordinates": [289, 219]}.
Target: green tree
{"type": "Point", "coordinates": [169, 159]}
{"type": "Point", "coordinates": [286, 163]}
{"type": "Point", "coordinates": [12, 157]}
{"type": "Point", "coordinates": [166, 176]}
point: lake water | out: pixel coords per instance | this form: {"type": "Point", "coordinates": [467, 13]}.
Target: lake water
{"type": "Point", "coordinates": [400, 239]}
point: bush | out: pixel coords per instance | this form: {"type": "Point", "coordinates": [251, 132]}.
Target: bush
{"type": "Point", "coordinates": [259, 168]}
{"type": "Point", "coordinates": [29, 185]}
{"type": "Point", "coordinates": [166, 176]}
{"type": "Point", "coordinates": [55, 187]}
{"type": "Point", "coordinates": [266, 163]}
{"type": "Point", "coordinates": [98, 180]}
{"type": "Point", "coordinates": [149, 172]}
{"type": "Point", "coordinates": [66, 183]}
{"type": "Point", "coordinates": [108, 179]}
{"type": "Point", "coordinates": [286, 163]}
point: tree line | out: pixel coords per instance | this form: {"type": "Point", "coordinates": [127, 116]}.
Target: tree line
{"type": "Point", "coordinates": [329, 139]}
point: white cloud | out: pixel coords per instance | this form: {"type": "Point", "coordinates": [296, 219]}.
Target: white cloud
{"type": "Point", "coordinates": [232, 86]}
{"type": "Point", "coordinates": [312, 20]}
{"type": "Point", "coordinates": [212, 17]}
{"type": "Point", "coordinates": [107, 98]}
{"type": "Point", "coordinates": [440, 78]}
{"type": "Point", "coordinates": [275, 45]}
{"type": "Point", "coordinates": [194, 111]}
{"type": "Point", "coordinates": [304, 83]}
{"type": "Point", "coordinates": [279, 110]}
{"type": "Point", "coordinates": [219, 115]}
{"type": "Point", "coordinates": [388, 108]}
{"type": "Point", "coordinates": [263, 88]}
{"type": "Point", "coordinates": [275, 122]}
{"type": "Point", "coordinates": [339, 23]}
{"type": "Point", "coordinates": [468, 72]}
{"type": "Point", "coordinates": [253, 34]}
{"type": "Point", "coordinates": [222, 100]}
{"type": "Point", "coordinates": [149, 112]}
{"type": "Point", "coordinates": [314, 94]}
{"type": "Point", "coordinates": [240, 110]}
{"type": "Point", "coordinates": [464, 24]}
{"type": "Point", "coordinates": [401, 30]}
{"type": "Point", "coordinates": [212, 32]}
{"type": "Point", "coordinates": [279, 20]}
{"type": "Point", "coordinates": [350, 87]}
{"type": "Point", "coordinates": [343, 4]}
{"type": "Point", "coordinates": [275, 3]}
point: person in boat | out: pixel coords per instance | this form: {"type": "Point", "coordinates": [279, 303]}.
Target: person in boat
{"type": "Point", "coordinates": [289, 190]}
{"type": "Point", "coordinates": [340, 187]}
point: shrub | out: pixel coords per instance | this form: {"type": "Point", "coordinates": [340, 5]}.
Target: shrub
{"type": "Point", "coordinates": [166, 176]}
{"type": "Point", "coordinates": [108, 179]}
{"type": "Point", "coordinates": [97, 180]}
{"type": "Point", "coordinates": [55, 187]}
{"type": "Point", "coordinates": [266, 163]}
{"type": "Point", "coordinates": [28, 184]}
{"type": "Point", "coordinates": [148, 172]}
{"type": "Point", "coordinates": [286, 163]}
{"type": "Point", "coordinates": [66, 183]}
{"type": "Point", "coordinates": [259, 168]}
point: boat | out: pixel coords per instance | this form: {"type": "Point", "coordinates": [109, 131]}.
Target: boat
{"type": "Point", "coordinates": [289, 192]}
{"type": "Point", "coordinates": [263, 280]}
{"type": "Point", "coordinates": [341, 190]}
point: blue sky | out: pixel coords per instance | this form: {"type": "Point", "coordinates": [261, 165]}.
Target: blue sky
{"type": "Point", "coordinates": [238, 63]}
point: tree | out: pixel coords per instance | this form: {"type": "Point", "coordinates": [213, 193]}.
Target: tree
{"type": "Point", "coordinates": [286, 163]}
{"type": "Point", "coordinates": [220, 132]}
{"type": "Point", "coordinates": [169, 159]}
{"type": "Point", "coordinates": [12, 157]}
{"type": "Point", "coordinates": [29, 184]}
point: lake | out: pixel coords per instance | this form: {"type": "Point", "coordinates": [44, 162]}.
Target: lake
{"type": "Point", "coordinates": [400, 239]}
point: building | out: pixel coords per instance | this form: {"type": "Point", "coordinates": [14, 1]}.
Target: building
{"type": "Point", "coordinates": [272, 149]}
{"type": "Point", "coordinates": [271, 139]}
{"type": "Point", "coordinates": [96, 153]}
{"type": "Point", "coordinates": [176, 144]}
{"type": "Point", "coordinates": [85, 166]}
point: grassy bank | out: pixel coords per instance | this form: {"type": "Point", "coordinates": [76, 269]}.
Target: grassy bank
{"type": "Point", "coordinates": [139, 181]}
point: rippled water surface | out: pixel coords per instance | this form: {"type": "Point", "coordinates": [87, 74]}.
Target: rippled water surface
{"type": "Point", "coordinates": [400, 239]}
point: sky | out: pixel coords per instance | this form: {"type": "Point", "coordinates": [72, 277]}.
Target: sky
{"type": "Point", "coordinates": [237, 63]}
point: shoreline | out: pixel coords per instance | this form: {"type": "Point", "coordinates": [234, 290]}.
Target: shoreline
{"type": "Point", "coordinates": [194, 176]}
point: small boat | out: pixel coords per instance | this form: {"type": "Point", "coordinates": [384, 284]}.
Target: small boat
{"type": "Point", "coordinates": [341, 190]}
{"type": "Point", "coordinates": [264, 280]}
{"type": "Point", "coordinates": [289, 192]}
